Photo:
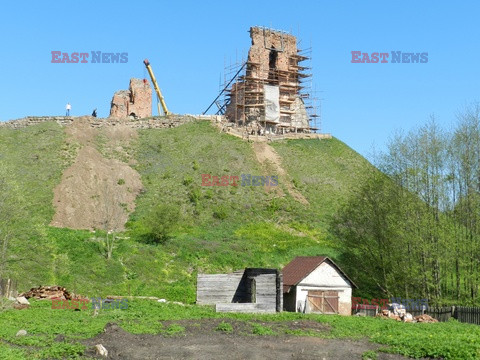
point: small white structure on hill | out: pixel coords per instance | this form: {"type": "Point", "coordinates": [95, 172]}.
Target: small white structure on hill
{"type": "Point", "coordinates": [316, 284]}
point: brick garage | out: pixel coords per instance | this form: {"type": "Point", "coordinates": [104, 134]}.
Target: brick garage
{"type": "Point", "coordinates": [315, 284]}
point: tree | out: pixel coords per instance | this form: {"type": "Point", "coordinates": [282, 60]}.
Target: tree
{"type": "Point", "coordinates": [370, 226]}
{"type": "Point", "coordinates": [465, 208]}
{"type": "Point", "coordinates": [396, 219]}
{"type": "Point", "coordinates": [426, 207]}
{"type": "Point", "coordinates": [158, 224]}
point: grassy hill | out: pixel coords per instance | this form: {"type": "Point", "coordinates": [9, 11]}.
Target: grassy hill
{"type": "Point", "coordinates": [217, 228]}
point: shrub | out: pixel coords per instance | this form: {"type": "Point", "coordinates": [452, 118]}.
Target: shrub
{"type": "Point", "coordinates": [159, 223]}
{"type": "Point", "coordinates": [220, 213]}
{"type": "Point", "coordinates": [209, 194]}
{"type": "Point", "coordinates": [187, 180]}
{"type": "Point", "coordinates": [195, 196]}
{"type": "Point", "coordinates": [274, 206]}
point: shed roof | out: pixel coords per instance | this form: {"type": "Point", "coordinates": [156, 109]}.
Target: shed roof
{"type": "Point", "coordinates": [300, 267]}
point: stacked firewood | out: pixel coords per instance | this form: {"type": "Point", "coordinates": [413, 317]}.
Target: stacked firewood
{"type": "Point", "coordinates": [425, 318]}
{"type": "Point", "coordinates": [49, 292]}
{"type": "Point", "coordinates": [399, 313]}
{"type": "Point", "coordinates": [390, 314]}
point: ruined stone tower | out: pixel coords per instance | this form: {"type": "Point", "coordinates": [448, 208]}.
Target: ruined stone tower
{"type": "Point", "coordinates": [268, 94]}
{"type": "Point", "coordinates": [135, 102]}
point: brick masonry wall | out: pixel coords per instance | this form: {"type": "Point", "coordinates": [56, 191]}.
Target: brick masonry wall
{"type": "Point", "coordinates": [136, 100]}
{"type": "Point", "coordinates": [264, 39]}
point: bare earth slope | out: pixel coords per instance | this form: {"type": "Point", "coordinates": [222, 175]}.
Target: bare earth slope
{"type": "Point", "coordinates": [267, 156]}
{"type": "Point", "coordinates": [96, 192]}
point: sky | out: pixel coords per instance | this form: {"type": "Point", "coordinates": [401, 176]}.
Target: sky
{"type": "Point", "coordinates": [188, 44]}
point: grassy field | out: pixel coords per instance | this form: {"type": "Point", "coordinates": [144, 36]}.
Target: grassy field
{"type": "Point", "coordinates": [450, 340]}
{"type": "Point", "coordinates": [35, 157]}
{"type": "Point", "coordinates": [218, 228]}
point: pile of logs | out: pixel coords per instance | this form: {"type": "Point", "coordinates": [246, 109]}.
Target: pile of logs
{"type": "Point", "coordinates": [425, 318]}
{"type": "Point", "coordinates": [400, 314]}
{"type": "Point", "coordinates": [49, 292]}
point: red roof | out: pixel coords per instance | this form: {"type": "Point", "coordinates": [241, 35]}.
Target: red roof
{"type": "Point", "coordinates": [300, 267]}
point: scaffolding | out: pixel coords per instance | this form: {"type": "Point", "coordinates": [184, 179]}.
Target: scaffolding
{"type": "Point", "coordinates": [244, 102]}
{"type": "Point", "coordinates": [309, 95]}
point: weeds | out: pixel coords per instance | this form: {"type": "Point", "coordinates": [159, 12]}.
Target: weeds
{"type": "Point", "coordinates": [225, 327]}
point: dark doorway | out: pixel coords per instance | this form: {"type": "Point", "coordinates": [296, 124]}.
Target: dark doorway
{"type": "Point", "coordinates": [272, 64]}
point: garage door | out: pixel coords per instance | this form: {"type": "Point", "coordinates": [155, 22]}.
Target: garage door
{"type": "Point", "coordinates": [324, 302]}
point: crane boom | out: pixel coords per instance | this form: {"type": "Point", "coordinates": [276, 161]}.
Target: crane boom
{"type": "Point", "coordinates": [161, 100]}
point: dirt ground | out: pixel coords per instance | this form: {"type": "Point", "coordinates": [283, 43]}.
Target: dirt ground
{"type": "Point", "coordinates": [202, 340]}
{"type": "Point", "coordinates": [97, 192]}
{"type": "Point", "coordinates": [267, 156]}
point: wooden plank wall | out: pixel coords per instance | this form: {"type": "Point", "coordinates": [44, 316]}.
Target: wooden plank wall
{"type": "Point", "coordinates": [253, 286]}
{"type": "Point", "coordinates": [266, 289]}
{"type": "Point", "coordinates": [245, 308]}
{"type": "Point", "coordinates": [217, 288]}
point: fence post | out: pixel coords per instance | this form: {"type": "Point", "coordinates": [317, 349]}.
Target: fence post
{"type": "Point", "coordinates": [453, 312]}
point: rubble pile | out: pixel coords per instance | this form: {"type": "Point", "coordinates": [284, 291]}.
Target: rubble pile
{"type": "Point", "coordinates": [425, 318]}
{"type": "Point", "coordinates": [49, 292]}
{"type": "Point", "coordinates": [399, 313]}
{"type": "Point", "coordinates": [389, 314]}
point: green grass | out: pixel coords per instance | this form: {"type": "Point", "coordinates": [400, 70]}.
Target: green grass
{"type": "Point", "coordinates": [219, 229]}
{"type": "Point", "coordinates": [323, 171]}
{"type": "Point", "coordinates": [11, 353]}
{"type": "Point", "coordinates": [369, 355]}
{"type": "Point", "coordinates": [259, 329]}
{"type": "Point", "coordinates": [171, 164]}
{"type": "Point", "coordinates": [449, 340]}
{"type": "Point", "coordinates": [225, 327]}
{"type": "Point", "coordinates": [36, 157]}
{"type": "Point", "coordinates": [175, 329]}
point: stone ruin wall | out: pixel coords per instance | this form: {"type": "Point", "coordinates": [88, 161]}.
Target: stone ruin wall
{"type": "Point", "coordinates": [135, 102]}
{"type": "Point", "coordinates": [155, 122]}
{"type": "Point", "coordinates": [246, 95]}
{"type": "Point", "coordinates": [259, 54]}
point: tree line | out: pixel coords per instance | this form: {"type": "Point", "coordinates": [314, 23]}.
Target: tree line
{"type": "Point", "coordinates": [412, 229]}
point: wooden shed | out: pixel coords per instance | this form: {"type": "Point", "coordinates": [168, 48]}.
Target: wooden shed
{"type": "Point", "coordinates": [316, 284]}
{"type": "Point", "coordinates": [249, 290]}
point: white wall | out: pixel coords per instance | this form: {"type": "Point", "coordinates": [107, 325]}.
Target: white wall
{"type": "Point", "coordinates": [325, 277]}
